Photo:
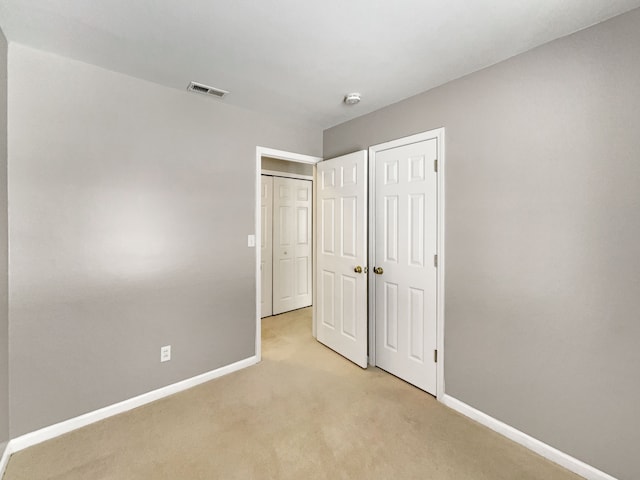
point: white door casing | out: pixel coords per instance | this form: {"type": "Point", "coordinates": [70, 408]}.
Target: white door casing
{"type": "Point", "coordinates": [292, 251]}
{"type": "Point", "coordinates": [406, 221]}
{"type": "Point", "coordinates": [342, 247]}
{"type": "Point", "coordinates": [266, 257]}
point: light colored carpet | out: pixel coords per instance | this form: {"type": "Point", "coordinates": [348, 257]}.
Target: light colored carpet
{"type": "Point", "coordinates": [303, 413]}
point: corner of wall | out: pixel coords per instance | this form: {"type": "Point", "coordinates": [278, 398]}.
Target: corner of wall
{"type": "Point", "coordinates": [4, 312]}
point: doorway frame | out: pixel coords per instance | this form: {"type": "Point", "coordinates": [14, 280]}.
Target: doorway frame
{"type": "Point", "coordinates": [290, 157]}
{"type": "Point", "coordinates": [438, 134]}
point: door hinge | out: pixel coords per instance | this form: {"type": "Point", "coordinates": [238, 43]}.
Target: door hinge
{"type": "Point", "coordinates": [435, 356]}
{"type": "Point", "coordinates": [435, 165]}
{"type": "Point", "coordinates": [435, 260]}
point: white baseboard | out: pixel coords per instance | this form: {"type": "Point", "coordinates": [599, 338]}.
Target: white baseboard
{"type": "Point", "coordinates": [541, 448]}
{"type": "Point", "coordinates": [47, 433]}
{"type": "Point", "coordinates": [5, 458]}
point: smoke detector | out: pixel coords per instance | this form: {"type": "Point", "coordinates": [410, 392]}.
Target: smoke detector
{"type": "Point", "coordinates": [352, 98]}
{"type": "Point", "coordinates": [206, 90]}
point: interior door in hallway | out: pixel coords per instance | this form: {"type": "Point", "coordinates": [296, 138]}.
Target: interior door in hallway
{"type": "Point", "coordinates": [405, 269]}
{"type": "Point", "coordinates": [266, 255]}
{"type": "Point", "coordinates": [342, 255]}
{"type": "Point", "coordinates": [291, 244]}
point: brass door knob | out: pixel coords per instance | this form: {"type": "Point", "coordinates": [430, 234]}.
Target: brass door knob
{"type": "Point", "coordinates": [358, 269]}
{"type": "Point", "coordinates": [378, 270]}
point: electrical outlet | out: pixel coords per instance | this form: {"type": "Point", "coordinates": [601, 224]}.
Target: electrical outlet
{"type": "Point", "coordinates": [165, 353]}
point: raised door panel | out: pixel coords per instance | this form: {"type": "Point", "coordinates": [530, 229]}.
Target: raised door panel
{"type": "Point", "coordinates": [349, 297]}
{"type": "Point", "coordinates": [389, 315]}
{"type": "Point", "coordinates": [326, 305]}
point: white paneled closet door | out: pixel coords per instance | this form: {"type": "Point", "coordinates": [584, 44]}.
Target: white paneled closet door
{"type": "Point", "coordinates": [342, 256]}
{"type": "Point", "coordinates": [405, 271]}
{"type": "Point", "coordinates": [266, 247]}
{"type": "Point", "coordinates": [291, 244]}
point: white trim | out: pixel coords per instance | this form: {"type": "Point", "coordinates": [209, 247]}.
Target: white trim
{"type": "Point", "coordinates": [258, 233]}
{"type": "Point", "coordinates": [52, 431]}
{"type": "Point", "coordinates": [541, 448]}
{"type": "Point", "coordinates": [4, 461]}
{"type": "Point", "coordinates": [401, 142]}
{"type": "Point", "coordinates": [440, 387]}
{"type": "Point", "coordinates": [280, 155]}
{"type": "Point", "coordinates": [371, 231]}
{"type": "Point", "coordinates": [314, 249]}
{"type": "Point", "coordinates": [289, 156]}
{"type": "Point", "coordinates": [297, 176]}
{"type": "Point", "coordinates": [438, 133]}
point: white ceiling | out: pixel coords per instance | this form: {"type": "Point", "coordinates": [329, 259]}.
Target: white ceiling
{"type": "Point", "coordinates": [297, 58]}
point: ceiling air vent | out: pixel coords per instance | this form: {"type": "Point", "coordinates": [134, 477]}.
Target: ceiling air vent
{"type": "Point", "coordinates": [206, 90]}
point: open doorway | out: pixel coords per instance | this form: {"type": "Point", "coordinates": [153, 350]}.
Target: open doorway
{"type": "Point", "coordinates": [285, 236]}
{"type": "Point", "coordinates": [287, 172]}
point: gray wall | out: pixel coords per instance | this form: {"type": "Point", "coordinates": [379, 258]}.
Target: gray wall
{"type": "Point", "coordinates": [542, 227]}
{"type": "Point", "coordinates": [130, 209]}
{"type": "Point", "coordinates": [4, 318]}
{"type": "Point", "coordinates": [278, 165]}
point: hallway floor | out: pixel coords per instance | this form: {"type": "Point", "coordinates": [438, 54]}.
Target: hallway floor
{"type": "Point", "coordinates": [304, 412]}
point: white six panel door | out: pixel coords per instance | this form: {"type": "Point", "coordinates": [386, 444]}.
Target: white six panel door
{"type": "Point", "coordinates": [342, 247]}
{"type": "Point", "coordinates": [266, 208]}
{"type": "Point", "coordinates": [405, 245]}
{"type": "Point", "coordinates": [291, 244]}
